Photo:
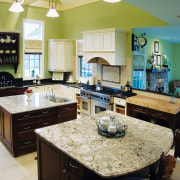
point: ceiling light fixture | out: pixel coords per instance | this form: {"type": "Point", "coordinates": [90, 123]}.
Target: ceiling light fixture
{"type": "Point", "coordinates": [16, 7]}
{"type": "Point", "coordinates": [52, 11]}
{"type": "Point", "coordinates": [112, 1]}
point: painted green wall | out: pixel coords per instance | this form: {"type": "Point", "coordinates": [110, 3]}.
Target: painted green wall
{"type": "Point", "coordinates": [101, 15]}
{"type": "Point", "coordinates": [165, 48]}
{"type": "Point", "coordinates": [72, 22]}
{"type": "Point", "coordinates": [176, 61]}
{"type": "Point", "coordinates": [14, 22]}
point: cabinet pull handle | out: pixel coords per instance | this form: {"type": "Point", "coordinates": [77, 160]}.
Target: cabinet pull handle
{"type": "Point", "coordinates": [45, 123]}
{"type": "Point", "coordinates": [27, 142]}
{"type": "Point", "coordinates": [64, 171]}
{"type": "Point", "coordinates": [139, 109]}
{"type": "Point", "coordinates": [27, 127]}
{"type": "Point", "coordinates": [73, 166]}
{"type": "Point", "coordinates": [67, 108]}
{"type": "Point", "coordinates": [26, 116]}
{"type": "Point", "coordinates": [158, 114]}
{"type": "Point", "coordinates": [45, 112]}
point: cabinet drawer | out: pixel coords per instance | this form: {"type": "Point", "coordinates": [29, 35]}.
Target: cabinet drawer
{"type": "Point", "coordinates": [38, 124]}
{"type": "Point", "coordinates": [34, 113]}
{"type": "Point", "coordinates": [67, 108]}
{"type": "Point", "coordinates": [162, 115]}
{"type": "Point", "coordinates": [72, 166]}
{"type": "Point", "coordinates": [119, 101]}
{"type": "Point", "coordinates": [139, 109]}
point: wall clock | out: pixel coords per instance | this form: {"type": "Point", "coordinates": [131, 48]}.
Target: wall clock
{"type": "Point", "coordinates": [142, 41]}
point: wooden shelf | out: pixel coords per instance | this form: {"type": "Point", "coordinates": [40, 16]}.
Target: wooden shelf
{"type": "Point", "coordinates": [9, 49]}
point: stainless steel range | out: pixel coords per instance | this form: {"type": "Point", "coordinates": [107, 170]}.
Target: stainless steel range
{"type": "Point", "coordinates": [93, 101]}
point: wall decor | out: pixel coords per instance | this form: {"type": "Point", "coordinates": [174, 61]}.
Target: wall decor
{"type": "Point", "coordinates": [111, 73]}
{"type": "Point", "coordinates": [156, 46]}
{"type": "Point", "coordinates": [158, 60]}
{"type": "Point", "coordinates": [155, 59]}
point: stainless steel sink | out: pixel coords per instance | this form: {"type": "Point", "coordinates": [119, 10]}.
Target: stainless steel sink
{"type": "Point", "coordinates": [59, 99]}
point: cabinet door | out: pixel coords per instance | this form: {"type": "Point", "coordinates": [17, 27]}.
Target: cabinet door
{"type": "Point", "coordinates": [68, 56]}
{"type": "Point", "coordinates": [98, 42]}
{"type": "Point", "coordinates": [49, 162]}
{"type": "Point", "coordinates": [108, 42]}
{"type": "Point", "coordinates": [67, 112]}
{"type": "Point", "coordinates": [89, 42]}
{"type": "Point", "coordinates": [68, 175]}
{"type": "Point", "coordinates": [6, 128]}
{"type": "Point", "coordinates": [59, 55]}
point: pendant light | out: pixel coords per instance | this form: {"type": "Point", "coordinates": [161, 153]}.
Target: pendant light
{"type": "Point", "coordinates": [112, 1]}
{"type": "Point", "coordinates": [16, 7]}
{"type": "Point", "coordinates": [52, 11]}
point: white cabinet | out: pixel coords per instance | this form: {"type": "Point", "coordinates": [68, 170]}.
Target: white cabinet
{"type": "Point", "coordinates": [60, 55]}
{"type": "Point", "coordinates": [109, 44]}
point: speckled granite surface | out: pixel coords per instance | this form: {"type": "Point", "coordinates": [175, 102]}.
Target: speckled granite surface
{"type": "Point", "coordinates": [18, 104]}
{"type": "Point", "coordinates": [142, 144]}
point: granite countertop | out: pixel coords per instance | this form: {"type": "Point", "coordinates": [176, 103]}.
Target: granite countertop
{"type": "Point", "coordinates": [18, 103]}
{"type": "Point", "coordinates": [154, 103]}
{"type": "Point", "coordinates": [141, 146]}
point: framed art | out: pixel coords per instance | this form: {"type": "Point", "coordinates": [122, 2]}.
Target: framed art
{"type": "Point", "coordinates": [156, 46]}
{"type": "Point", "coordinates": [155, 59]}
{"type": "Point", "coordinates": [158, 60]}
{"type": "Point", "coordinates": [111, 73]}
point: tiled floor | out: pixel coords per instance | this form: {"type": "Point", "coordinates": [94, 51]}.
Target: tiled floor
{"type": "Point", "coordinates": [19, 168]}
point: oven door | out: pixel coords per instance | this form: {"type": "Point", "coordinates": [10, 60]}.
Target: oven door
{"type": "Point", "coordinates": [97, 106]}
{"type": "Point", "coordinates": [85, 106]}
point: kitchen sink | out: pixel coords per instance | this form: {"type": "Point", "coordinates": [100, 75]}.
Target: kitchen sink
{"type": "Point", "coordinates": [59, 99]}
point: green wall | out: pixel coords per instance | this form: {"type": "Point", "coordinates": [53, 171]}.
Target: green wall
{"type": "Point", "coordinates": [72, 22]}
{"type": "Point", "coordinates": [101, 15]}
{"type": "Point", "coordinates": [165, 48]}
{"type": "Point", "coordinates": [10, 21]}
{"type": "Point", "coordinates": [176, 61]}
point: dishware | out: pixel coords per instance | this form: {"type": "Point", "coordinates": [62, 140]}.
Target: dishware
{"type": "Point", "coordinates": [112, 129]}
{"type": "Point", "coordinates": [8, 39]}
{"type": "Point", "coordinates": [29, 97]}
{"type": "Point", "coordinates": [13, 41]}
{"type": "Point", "coordinates": [2, 40]}
{"type": "Point", "coordinates": [104, 123]}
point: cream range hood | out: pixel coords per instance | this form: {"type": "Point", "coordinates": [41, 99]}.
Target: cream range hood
{"type": "Point", "coordinates": [105, 46]}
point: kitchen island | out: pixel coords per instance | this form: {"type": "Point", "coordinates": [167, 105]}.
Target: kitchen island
{"type": "Point", "coordinates": [19, 118]}
{"type": "Point", "coordinates": [152, 109]}
{"type": "Point", "coordinates": [74, 150]}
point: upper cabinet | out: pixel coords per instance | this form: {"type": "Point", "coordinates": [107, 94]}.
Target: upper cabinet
{"type": "Point", "coordinates": [60, 55]}
{"type": "Point", "coordinates": [109, 44]}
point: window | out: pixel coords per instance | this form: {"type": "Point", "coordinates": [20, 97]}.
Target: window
{"type": "Point", "coordinates": [32, 64]}
{"type": "Point", "coordinates": [33, 48]}
{"type": "Point", "coordinates": [85, 68]}
{"type": "Point", "coordinates": [138, 79]}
